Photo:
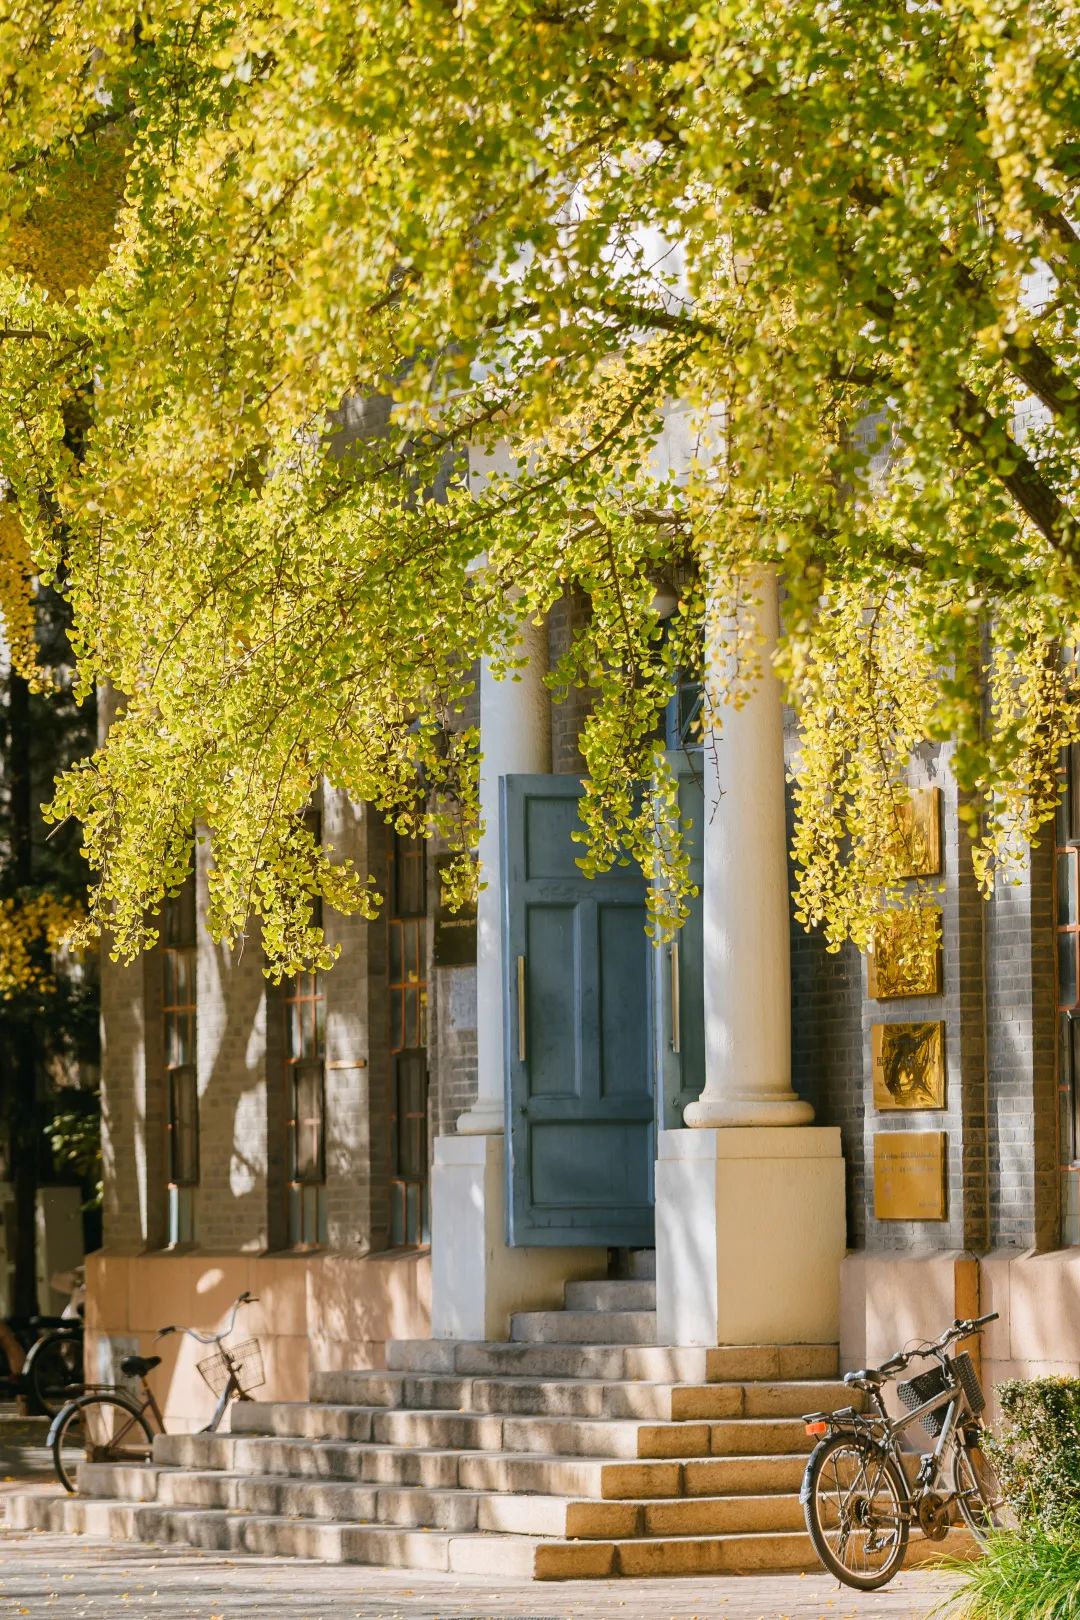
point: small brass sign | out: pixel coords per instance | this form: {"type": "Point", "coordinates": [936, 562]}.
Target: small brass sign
{"type": "Point", "coordinates": [909, 1176]}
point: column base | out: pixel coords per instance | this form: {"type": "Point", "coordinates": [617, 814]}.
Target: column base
{"type": "Point", "coordinates": [477, 1281]}
{"type": "Point", "coordinates": [725, 1111]}
{"type": "Point", "coordinates": [750, 1234]}
{"type": "Point", "coordinates": [482, 1119]}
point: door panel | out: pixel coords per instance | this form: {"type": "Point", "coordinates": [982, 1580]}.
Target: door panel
{"type": "Point", "coordinates": [577, 974]}
{"type": "Point", "coordinates": [679, 969]}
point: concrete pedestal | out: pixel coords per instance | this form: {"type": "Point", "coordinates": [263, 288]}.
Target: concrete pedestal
{"type": "Point", "coordinates": [477, 1282]}
{"type": "Point", "coordinates": [750, 1233]}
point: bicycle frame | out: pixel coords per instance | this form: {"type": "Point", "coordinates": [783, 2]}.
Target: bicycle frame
{"type": "Point", "coordinates": [885, 1431]}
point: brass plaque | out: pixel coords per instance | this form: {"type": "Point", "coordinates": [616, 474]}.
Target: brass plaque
{"type": "Point", "coordinates": [919, 834]}
{"type": "Point", "coordinates": [906, 955]}
{"type": "Point", "coordinates": [909, 1176]}
{"type": "Point", "coordinates": [909, 1065]}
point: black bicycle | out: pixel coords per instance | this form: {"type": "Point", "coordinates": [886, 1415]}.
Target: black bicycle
{"type": "Point", "coordinates": [856, 1494]}
{"type": "Point", "coordinates": [109, 1424]}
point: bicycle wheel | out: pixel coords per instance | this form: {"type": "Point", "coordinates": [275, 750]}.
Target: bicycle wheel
{"type": "Point", "coordinates": [55, 1373]}
{"type": "Point", "coordinates": [853, 1498]}
{"type": "Point", "coordinates": [978, 1493]}
{"type": "Point", "coordinates": [98, 1428]}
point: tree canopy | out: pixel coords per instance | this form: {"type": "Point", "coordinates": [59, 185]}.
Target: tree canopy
{"type": "Point", "coordinates": [285, 263]}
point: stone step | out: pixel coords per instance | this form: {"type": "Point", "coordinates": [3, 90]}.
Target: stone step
{"type": "Point", "coordinates": [445, 1509]}
{"type": "Point", "coordinates": [612, 1294]}
{"type": "Point", "coordinates": [474, 1431]}
{"type": "Point", "coordinates": [529, 1397]}
{"type": "Point", "coordinates": [493, 1432]}
{"type": "Point", "coordinates": [758, 1437]}
{"type": "Point", "coordinates": [275, 1536]}
{"type": "Point", "coordinates": [689, 1555]}
{"type": "Point", "coordinates": [641, 1263]}
{"type": "Point", "coordinates": [657, 1363]}
{"type": "Point", "coordinates": [583, 1327]}
{"type": "Point", "coordinates": [394, 1546]}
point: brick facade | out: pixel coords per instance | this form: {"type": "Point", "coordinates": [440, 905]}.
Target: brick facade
{"type": "Point", "coordinates": [997, 1004]}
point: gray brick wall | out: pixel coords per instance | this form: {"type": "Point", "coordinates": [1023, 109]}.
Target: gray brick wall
{"type": "Point", "coordinates": [1021, 1035]}
{"type": "Point", "coordinates": [231, 1198]}
{"type": "Point", "coordinates": [998, 1009]}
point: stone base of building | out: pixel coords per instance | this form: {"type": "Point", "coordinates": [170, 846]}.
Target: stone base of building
{"type": "Point", "coordinates": [314, 1312]}
{"type": "Point", "coordinates": [478, 1281]}
{"type": "Point", "coordinates": [889, 1300]}
{"type": "Point", "coordinates": [750, 1234]}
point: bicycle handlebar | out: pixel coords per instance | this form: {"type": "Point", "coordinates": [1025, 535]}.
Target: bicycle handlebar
{"type": "Point", "coordinates": [210, 1338]}
{"type": "Point", "coordinates": [962, 1328]}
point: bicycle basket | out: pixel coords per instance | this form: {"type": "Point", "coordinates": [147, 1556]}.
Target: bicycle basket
{"type": "Point", "coordinates": [923, 1387]}
{"type": "Point", "coordinates": [964, 1368]}
{"type": "Point", "coordinates": [247, 1360]}
{"type": "Point", "coordinates": [928, 1384]}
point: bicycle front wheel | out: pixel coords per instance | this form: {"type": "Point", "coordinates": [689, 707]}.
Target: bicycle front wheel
{"type": "Point", "coordinates": [55, 1373]}
{"type": "Point", "coordinates": [98, 1428]}
{"type": "Point", "coordinates": [978, 1492]}
{"type": "Point", "coordinates": [853, 1500]}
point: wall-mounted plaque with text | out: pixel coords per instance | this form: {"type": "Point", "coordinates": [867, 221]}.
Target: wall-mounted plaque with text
{"type": "Point", "coordinates": [909, 1176]}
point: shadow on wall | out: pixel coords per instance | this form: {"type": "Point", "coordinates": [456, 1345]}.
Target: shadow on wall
{"type": "Point", "coordinates": [312, 1312]}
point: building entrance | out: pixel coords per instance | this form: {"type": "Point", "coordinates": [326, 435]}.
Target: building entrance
{"type": "Point", "coordinates": [587, 1015]}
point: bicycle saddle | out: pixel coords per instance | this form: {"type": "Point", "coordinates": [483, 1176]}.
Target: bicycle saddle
{"type": "Point", "coordinates": [868, 1375]}
{"type": "Point", "coordinates": [139, 1366]}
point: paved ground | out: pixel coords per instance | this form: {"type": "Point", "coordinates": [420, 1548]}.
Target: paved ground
{"type": "Point", "coordinates": [61, 1577]}
{"type": "Point", "coordinates": [64, 1577]}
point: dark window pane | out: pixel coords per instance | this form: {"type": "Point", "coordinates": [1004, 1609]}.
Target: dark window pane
{"type": "Point", "coordinates": [414, 1148]}
{"type": "Point", "coordinates": [1067, 969]}
{"type": "Point", "coordinates": [296, 1030]}
{"type": "Point", "coordinates": [178, 919]}
{"type": "Point", "coordinates": [1066, 888]}
{"type": "Point", "coordinates": [397, 1020]}
{"type": "Point", "coordinates": [409, 876]}
{"type": "Point", "coordinates": [396, 956]}
{"type": "Point", "coordinates": [308, 1118]}
{"type": "Point", "coordinates": [184, 1127]}
{"type": "Point", "coordinates": [412, 952]}
{"type": "Point", "coordinates": [397, 1214]}
{"type": "Point", "coordinates": [412, 1018]}
{"type": "Point", "coordinates": [1074, 790]}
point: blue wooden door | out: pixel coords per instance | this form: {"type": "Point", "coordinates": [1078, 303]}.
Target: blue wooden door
{"type": "Point", "coordinates": [580, 1105]}
{"type": "Point", "coordinates": [679, 968]}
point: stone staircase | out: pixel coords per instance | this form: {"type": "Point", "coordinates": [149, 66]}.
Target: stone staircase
{"type": "Point", "coordinates": [580, 1448]}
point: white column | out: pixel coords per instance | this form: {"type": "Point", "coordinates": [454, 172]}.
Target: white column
{"type": "Point", "coordinates": [749, 1204]}
{"type": "Point", "coordinates": [515, 739]}
{"type": "Point", "coordinates": [477, 1282]}
{"type": "Point", "coordinates": [745, 901]}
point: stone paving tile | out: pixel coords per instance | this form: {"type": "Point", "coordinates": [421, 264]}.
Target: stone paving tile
{"type": "Point", "coordinates": [66, 1578]}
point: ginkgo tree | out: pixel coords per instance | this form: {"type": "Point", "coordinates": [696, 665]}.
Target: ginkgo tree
{"type": "Point", "coordinates": [836, 238]}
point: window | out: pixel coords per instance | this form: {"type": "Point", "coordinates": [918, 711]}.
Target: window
{"type": "Point", "coordinates": [305, 1077]}
{"type": "Point", "coordinates": [407, 955]}
{"type": "Point", "coordinates": [181, 1063]}
{"type": "Point", "coordinates": [1067, 900]}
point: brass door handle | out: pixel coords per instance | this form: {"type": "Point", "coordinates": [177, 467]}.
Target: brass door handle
{"type": "Point", "coordinates": [521, 1008]}
{"type": "Point", "coordinates": [676, 998]}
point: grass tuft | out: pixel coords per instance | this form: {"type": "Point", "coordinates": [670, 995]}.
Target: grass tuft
{"type": "Point", "coordinates": [1028, 1574]}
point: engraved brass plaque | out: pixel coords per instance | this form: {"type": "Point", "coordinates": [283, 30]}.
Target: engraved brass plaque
{"type": "Point", "coordinates": [919, 833]}
{"type": "Point", "coordinates": [908, 1065]}
{"type": "Point", "coordinates": [909, 1176]}
{"type": "Point", "coordinates": [906, 955]}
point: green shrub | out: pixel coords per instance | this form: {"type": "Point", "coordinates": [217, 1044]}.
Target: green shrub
{"type": "Point", "coordinates": [1037, 1450]}
{"type": "Point", "coordinates": [1029, 1574]}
